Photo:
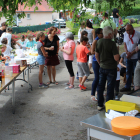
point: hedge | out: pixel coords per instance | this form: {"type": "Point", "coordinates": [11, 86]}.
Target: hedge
{"type": "Point", "coordinates": [31, 28]}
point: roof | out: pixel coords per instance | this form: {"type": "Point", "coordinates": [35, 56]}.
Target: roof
{"type": "Point", "coordinates": [44, 7]}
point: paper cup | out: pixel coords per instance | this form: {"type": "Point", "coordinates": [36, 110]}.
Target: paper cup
{"type": "Point", "coordinates": [11, 73]}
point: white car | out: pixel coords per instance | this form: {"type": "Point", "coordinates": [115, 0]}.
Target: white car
{"type": "Point", "coordinates": [57, 21]}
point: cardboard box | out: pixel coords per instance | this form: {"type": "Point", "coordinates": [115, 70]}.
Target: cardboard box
{"type": "Point", "coordinates": [132, 99]}
{"type": "Point", "coordinates": [22, 63]}
{"type": "Point", "coordinates": [16, 68]}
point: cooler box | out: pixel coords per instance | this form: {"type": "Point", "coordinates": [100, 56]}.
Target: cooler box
{"type": "Point", "coordinates": [119, 106]}
{"type": "Point", "coordinates": [16, 68]}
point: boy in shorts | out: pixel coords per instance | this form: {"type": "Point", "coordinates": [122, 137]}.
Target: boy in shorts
{"type": "Point", "coordinates": [83, 68]}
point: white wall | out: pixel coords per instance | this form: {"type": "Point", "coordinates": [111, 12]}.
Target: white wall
{"type": "Point", "coordinates": [35, 18]}
{"type": "Point", "coordinates": [55, 15]}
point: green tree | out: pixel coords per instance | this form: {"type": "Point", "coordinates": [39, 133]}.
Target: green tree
{"type": "Point", "coordinates": [9, 7]}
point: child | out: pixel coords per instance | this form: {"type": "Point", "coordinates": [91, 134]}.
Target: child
{"type": "Point", "coordinates": [120, 22]}
{"type": "Point", "coordinates": [8, 48]}
{"type": "Point", "coordinates": [84, 33]}
{"type": "Point", "coordinates": [80, 31]}
{"type": "Point", "coordinates": [3, 49]}
{"type": "Point", "coordinates": [41, 57]}
{"type": "Point", "coordinates": [31, 42]}
{"type": "Point", "coordinates": [8, 35]}
{"type": "Point", "coordinates": [22, 43]}
{"type": "Point", "coordinates": [83, 69]}
{"type": "Point", "coordinates": [117, 84]}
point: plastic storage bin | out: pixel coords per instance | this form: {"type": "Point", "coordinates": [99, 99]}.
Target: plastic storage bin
{"type": "Point", "coordinates": [120, 106]}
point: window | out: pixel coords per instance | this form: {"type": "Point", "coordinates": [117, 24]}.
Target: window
{"type": "Point", "coordinates": [18, 19]}
{"type": "Point", "coordinates": [28, 16]}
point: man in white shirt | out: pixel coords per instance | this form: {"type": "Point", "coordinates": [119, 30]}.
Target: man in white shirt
{"type": "Point", "coordinates": [131, 39]}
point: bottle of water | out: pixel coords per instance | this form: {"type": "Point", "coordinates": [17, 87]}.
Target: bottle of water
{"type": "Point", "coordinates": [12, 58]}
{"type": "Point", "coordinates": [7, 67]}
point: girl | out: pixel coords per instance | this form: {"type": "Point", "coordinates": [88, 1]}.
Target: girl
{"type": "Point", "coordinates": [22, 43]}
{"type": "Point", "coordinates": [120, 21]}
{"type": "Point", "coordinates": [41, 57]}
{"type": "Point", "coordinates": [8, 50]}
{"type": "Point", "coordinates": [3, 49]}
{"type": "Point", "coordinates": [91, 37]}
{"type": "Point", "coordinates": [31, 42]}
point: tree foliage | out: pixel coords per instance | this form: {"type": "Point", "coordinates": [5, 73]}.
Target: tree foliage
{"type": "Point", "coordinates": [9, 7]}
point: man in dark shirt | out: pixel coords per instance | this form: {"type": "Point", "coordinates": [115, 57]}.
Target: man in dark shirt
{"type": "Point", "coordinates": [3, 28]}
{"type": "Point", "coordinates": [107, 56]}
{"type": "Point", "coordinates": [116, 17]}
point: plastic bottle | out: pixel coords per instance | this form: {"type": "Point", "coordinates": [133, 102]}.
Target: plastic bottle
{"type": "Point", "coordinates": [12, 58]}
{"type": "Point", "coordinates": [7, 67]}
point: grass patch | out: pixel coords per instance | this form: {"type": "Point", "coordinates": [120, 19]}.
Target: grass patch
{"type": "Point", "coordinates": [69, 24]}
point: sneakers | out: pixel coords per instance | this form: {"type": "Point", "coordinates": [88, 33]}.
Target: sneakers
{"type": "Point", "coordinates": [43, 86]}
{"type": "Point", "coordinates": [82, 87]}
{"type": "Point", "coordinates": [69, 87]}
{"type": "Point", "coordinates": [125, 89]}
{"type": "Point", "coordinates": [67, 84]}
{"type": "Point", "coordinates": [100, 108]}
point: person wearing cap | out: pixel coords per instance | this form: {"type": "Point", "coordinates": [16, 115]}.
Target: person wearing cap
{"type": "Point", "coordinates": [68, 51]}
{"type": "Point", "coordinates": [91, 37]}
{"type": "Point", "coordinates": [3, 28]}
{"type": "Point", "coordinates": [108, 22]}
{"type": "Point", "coordinates": [8, 35]}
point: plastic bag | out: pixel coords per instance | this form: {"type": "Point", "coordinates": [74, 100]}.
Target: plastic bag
{"type": "Point", "coordinates": [20, 53]}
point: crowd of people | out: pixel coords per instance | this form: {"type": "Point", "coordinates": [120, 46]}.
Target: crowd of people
{"type": "Point", "coordinates": [94, 48]}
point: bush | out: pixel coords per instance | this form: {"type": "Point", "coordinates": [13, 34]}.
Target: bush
{"type": "Point", "coordinates": [135, 11]}
{"type": "Point", "coordinates": [126, 21]}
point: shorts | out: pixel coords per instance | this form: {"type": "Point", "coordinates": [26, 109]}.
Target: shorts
{"type": "Point", "coordinates": [83, 69]}
{"type": "Point", "coordinates": [52, 60]}
{"type": "Point", "coordinates": [41, 59]}
{"type": "Point", "coordinates": [90, 59]}
{"type": "Point", "coordinates": [137, 75]}
{"type": "Point", "coordinates": [116, 20]}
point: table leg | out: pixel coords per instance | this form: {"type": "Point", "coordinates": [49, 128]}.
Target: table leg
{"type": "Point", "coordinates": [28, 80]}
{"type": "Point", "coordinates": [88, 134]}
{"type": "Point", "coordinates": [13, 95]}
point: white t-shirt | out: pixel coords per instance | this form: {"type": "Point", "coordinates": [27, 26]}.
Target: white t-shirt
{"type": "Point", "coordinates": [131, 47]}
{"type": "Point", "coordinates": [8, 36]}
{"type": "Point", "coordinates": [7, 51]}
{"type": "Point", "coordinates": [79, 33]}
{"type": "Point", "coordinates": [118, 72]}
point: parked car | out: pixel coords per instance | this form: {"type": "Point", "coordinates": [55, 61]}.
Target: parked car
{"type": "Point", "coordinates": [57, 21]}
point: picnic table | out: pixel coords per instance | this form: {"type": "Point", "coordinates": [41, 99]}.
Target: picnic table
{"type": "Point", "coordinates": [11, 80]}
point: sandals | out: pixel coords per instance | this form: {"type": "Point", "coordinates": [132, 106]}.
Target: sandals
{"type": "Point", "coordinates": [50, 82]}
{"type": "Point", "coordinates": [93, 98]}
{"type": "Point", "coordinates": [56, 83]}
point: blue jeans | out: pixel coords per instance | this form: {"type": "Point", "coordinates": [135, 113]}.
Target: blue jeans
{"type": "Point", "coordinates": [96, 68]}
{"type": "Point", "coordinates": [108, 75]}
{"type": "Point", "coordinates": [116, 20]}
{"type": "Point", "coordinates": [130, 67]}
